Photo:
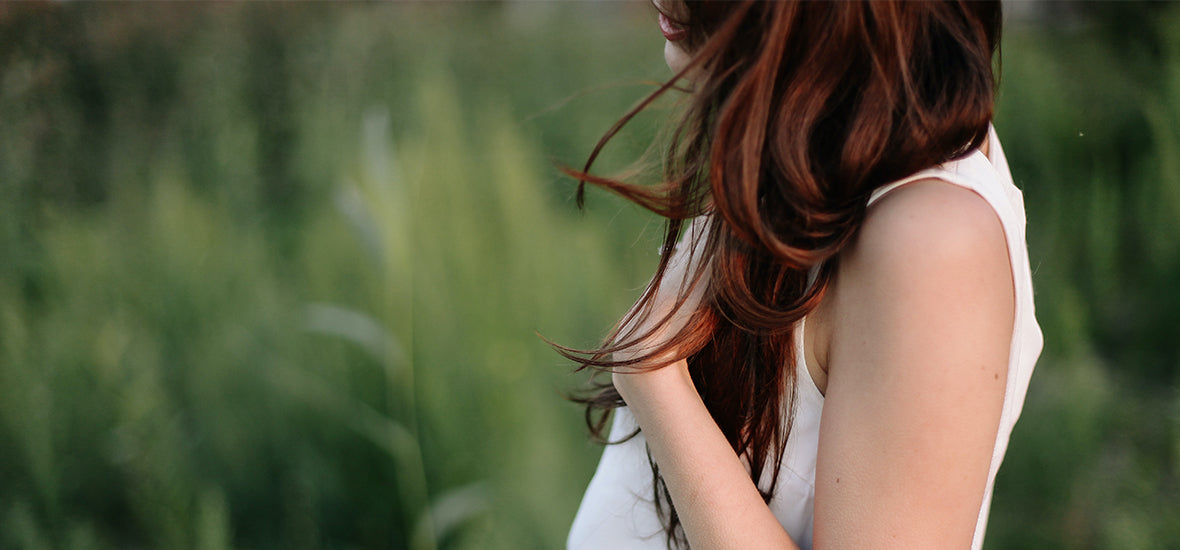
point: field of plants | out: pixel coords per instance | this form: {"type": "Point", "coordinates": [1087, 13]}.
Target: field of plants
{"type": "Point", "coordinates": [275, 275]}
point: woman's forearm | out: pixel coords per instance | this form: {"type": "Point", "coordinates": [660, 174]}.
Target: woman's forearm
{"type": "Point", "coordinates": [718, 505]}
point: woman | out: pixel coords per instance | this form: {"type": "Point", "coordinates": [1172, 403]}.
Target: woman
{"type": "Point", "coordinates": [834, 353]}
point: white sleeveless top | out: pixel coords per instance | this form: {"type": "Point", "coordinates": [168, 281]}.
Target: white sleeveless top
{"type": "Point", "coordinates": [617, 512]}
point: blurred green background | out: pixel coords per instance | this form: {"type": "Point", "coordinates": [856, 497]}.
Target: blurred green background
{"type": "Point", "coordinates": [271, 275]}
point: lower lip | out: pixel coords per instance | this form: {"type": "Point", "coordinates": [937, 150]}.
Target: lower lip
{"type": "Point", "coordinates": [672, 32]}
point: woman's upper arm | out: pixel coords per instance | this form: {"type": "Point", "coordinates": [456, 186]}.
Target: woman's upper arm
{"type": "Point", "coordinates": [922, 314]}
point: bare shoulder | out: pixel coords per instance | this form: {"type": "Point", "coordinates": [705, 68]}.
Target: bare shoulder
{"type": "Point", "coordinates": [928, 244]}
{"type": "Point", "coordinates": [924, 248]}
{"type": "Point", "coordinates": [930, 221]}
{"type": "Point", "coordinates": [929, 247]}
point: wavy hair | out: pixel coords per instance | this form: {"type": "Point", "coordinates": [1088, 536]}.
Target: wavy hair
{"type": "Point", "coordinates": [797, 112]}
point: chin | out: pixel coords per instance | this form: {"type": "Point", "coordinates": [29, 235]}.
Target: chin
{"type": "Point", "coordinates": [676, 57]}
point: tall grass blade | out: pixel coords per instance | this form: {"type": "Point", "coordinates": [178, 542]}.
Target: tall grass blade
{"type": "Point", "coordinates": [355, 327]}
{"type": "Point", "coordinates": [382, 431]}
{"type": "Point", "coordinates": [450, 511]}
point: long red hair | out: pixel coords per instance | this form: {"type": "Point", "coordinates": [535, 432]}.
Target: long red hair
{"type": "Point", "coordinates": [798, 111]}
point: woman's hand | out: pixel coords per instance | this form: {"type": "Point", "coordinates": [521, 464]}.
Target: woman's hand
{"type": "Point", "coordinates": [651, 384]}
{"type": "Point", "coordinates": [682, 266]}
{"type": "Point", "coordinates": [718, 505]}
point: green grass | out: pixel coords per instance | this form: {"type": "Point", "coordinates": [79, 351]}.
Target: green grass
{"type": "Point", "coordinates": [271, 276]}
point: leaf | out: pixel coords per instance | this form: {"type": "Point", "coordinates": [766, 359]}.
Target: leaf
{"type": "Point", "coordinates": [356, 327]}
{"type": "Point", "coordinates": [353, 207]}
{"type": "Point", "coordinates": [450, 511]}
{"type": "Point", "coordinates": [392, 437]}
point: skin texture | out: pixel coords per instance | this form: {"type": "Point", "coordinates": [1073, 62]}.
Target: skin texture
{"type": "Point", "coordinates": [912, 342]}
{"type": "Point", "coordinates": [676, 57]}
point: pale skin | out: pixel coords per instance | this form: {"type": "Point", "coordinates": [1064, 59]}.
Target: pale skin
{"type": "Point", "coordinates": [910, 347]}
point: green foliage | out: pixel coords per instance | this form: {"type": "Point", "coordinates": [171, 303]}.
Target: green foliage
{"type": "Point", "coordinates": [271, 275]}
{"type": "Point", "coordinates": [1091, 120]}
